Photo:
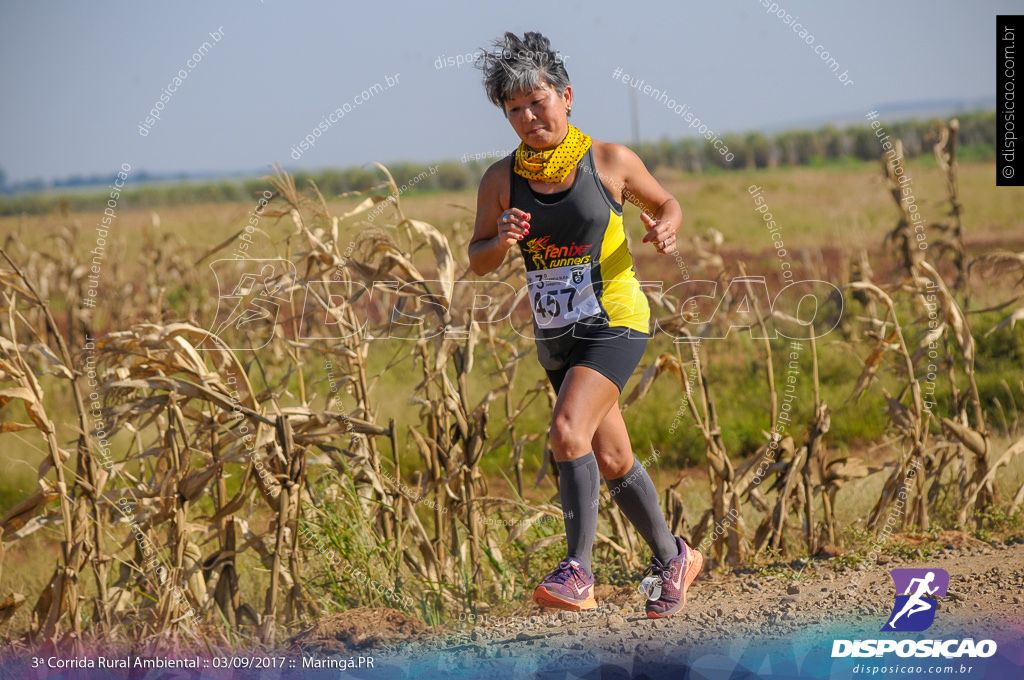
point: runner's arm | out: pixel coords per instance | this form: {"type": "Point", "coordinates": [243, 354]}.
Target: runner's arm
{"type": "Point", "coordinates": [641, 189]}
{"type": "Point", "coordinates": [487, 248]}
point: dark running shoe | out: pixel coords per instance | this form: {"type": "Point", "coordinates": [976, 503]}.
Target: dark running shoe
{"type": "Point", "coordinates": [676, 577]}
{"type": "Point", "coordinates": [567, 587]}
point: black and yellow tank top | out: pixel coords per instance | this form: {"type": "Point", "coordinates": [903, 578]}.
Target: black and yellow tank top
{"type": "Point", "coordinates": [578, 266]}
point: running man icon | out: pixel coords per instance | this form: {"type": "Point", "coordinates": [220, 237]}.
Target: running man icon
{"type": "Point", "coordinates": [248, 311]}
{"type": "Point", "coordinates": [254, 303]}
{"type": "Point", "coordinates": [915, 604]}
{"type": "Point", "coordinates": [914, 609]}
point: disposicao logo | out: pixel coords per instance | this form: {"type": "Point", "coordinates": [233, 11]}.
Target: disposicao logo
{"type": "Point", "coordinates": [913, 610]}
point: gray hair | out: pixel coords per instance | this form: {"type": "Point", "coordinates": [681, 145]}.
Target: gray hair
{"type": "Point", "coordinates": [521, 65]}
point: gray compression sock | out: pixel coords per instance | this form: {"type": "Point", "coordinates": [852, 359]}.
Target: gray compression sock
{"type": "Point", "coordinates": [636, 496]}
{"type": "Point", "coordinates": [579, 482]}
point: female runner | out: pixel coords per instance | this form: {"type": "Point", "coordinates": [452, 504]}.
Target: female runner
{"type": "Point", "coordinates": [559, 199]}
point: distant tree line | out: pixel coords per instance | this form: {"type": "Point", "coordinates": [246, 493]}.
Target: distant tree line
{"type": "Point", "coordinates": [826, 145]}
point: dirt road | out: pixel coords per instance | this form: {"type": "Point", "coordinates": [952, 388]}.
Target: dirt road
{"type": "Point", "coordinates": [777, 625]}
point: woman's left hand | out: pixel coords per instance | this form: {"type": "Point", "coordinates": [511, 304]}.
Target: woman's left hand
{"type": "Point", "coordinates": [662, 233]}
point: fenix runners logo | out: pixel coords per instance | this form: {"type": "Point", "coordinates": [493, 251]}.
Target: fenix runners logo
{"type": "Point", "coordinates": [913, 610]}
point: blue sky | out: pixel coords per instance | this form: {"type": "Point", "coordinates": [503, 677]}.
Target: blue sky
{"type": "Point", "coordinates": [78, 78]}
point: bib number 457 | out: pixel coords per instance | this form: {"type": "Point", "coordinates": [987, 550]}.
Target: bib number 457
{"type": "Point", "coordinates": [546, 304]}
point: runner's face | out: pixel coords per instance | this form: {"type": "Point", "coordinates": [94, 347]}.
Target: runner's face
{"type": "Point", "coordinates": [539, 117]}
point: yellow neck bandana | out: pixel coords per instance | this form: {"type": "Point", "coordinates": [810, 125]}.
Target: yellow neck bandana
{"type": "Point", "coordinates": [555, 164]}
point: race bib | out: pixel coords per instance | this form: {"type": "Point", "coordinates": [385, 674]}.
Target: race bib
{"type": "Point", "coordinates": [562, 295]}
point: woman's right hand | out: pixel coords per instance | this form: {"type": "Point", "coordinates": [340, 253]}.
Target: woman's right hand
{"type": "Point", "coordinates": [495, 229]}
{"type": "Point", "coordinates": [513, 226]}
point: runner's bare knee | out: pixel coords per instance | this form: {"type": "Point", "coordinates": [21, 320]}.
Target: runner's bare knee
{"type": "Point", "coordinates": [613, 463]}
{"type": "Point", "coordinates": [568, 439]}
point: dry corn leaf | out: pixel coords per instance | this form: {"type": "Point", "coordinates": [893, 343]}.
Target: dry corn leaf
{"type": "Point", "coordinates": [32, 406]}
{"type": "Point", "coordinates": [9, 605]}
{"type": "Point", "coordinates": [970, 438]}
{"type": "Point", "coordinates": [1011, 321]}
{"type": "Point", "coordinates": [665, 363]}
{"type": "Point", "coordinates": [846, 469]}
{"type": "Point", "coordinates": [952, 313]}
{"type": "Point", "coordinates": [999, 263]}
{"type": "Point", "coordinates": [220, 246]}
{"type": "Point", "coordinates": [54, 365]}
{"type": "Point", "coordinates": [901, 417]}
{"type": "Point", "coordinates": [927, 338]}
{"type": "Point", "coordinates": [871, 363]}
{"type": "Point", "coordinates": [1015, 449]}
{"type": "Point", "coordinates": [21, 513]}
{"type": "Point", "coordinates": [442, 253]}
{"type": "Point", "coordinates": [192, 486]}
{"type": "Point", "coordinates": [366, 204]}
{"type": "Point", "coordinates": [47, 463]}
{"type": "Point", "coordinates": [37, 523]}
{"type": "Point", "coordinates": [542, 543]}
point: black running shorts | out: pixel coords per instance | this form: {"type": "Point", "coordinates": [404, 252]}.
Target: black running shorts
{"type": "Point", "coordinates": [614, 352]}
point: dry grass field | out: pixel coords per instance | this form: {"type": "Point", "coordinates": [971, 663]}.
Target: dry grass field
{"type": "Point", "coordinates": [250, 491]}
